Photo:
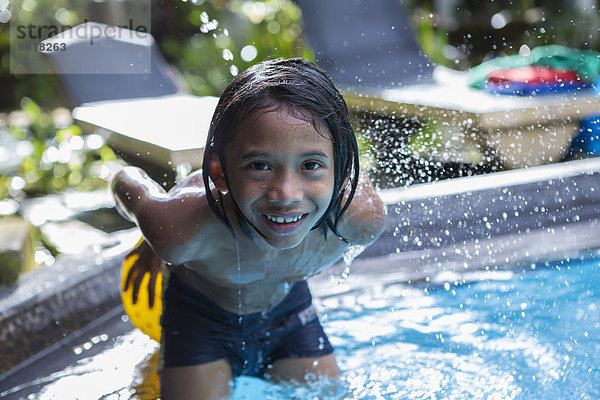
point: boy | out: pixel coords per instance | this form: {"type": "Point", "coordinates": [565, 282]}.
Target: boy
{"type": "Point", "coordinates": [287, 202]}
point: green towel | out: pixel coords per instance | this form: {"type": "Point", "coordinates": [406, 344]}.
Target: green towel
{"type": "Point", "coordinates": [586, 63]}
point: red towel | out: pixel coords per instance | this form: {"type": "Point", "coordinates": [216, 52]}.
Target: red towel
{"type": "Point", "coordinates": [533, 75]}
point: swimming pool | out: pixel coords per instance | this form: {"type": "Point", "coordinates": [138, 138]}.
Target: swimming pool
{"type": "Point", "coordinates": [530, 333]}
{"type": "Point", "coordinates": [524, 333]}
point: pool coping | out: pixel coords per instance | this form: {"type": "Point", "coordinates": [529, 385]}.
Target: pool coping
{"type": "Point", "coordinates": [78, 290]}
{"type": "Point", "coordinates": [506, 255]}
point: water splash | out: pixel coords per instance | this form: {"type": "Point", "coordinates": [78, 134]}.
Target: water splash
{"type": "Point", "coordinates": [351, 253]}
{"type": "Point", "coordinates": [227, 55]}
{"type": "Point", "coordinates": [239, 286]}
{"type": "Point", "coordinates": [207, 25]}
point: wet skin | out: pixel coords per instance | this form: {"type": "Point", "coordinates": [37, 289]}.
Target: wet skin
{"type": "Point", "coordinates": [280, 173]}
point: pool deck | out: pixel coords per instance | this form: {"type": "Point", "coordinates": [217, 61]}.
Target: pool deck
{"type": "Point", "coordinates": [439, 232]}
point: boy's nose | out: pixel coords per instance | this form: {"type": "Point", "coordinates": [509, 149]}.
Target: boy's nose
{"type": "Point", "coordinates": [284, 189]}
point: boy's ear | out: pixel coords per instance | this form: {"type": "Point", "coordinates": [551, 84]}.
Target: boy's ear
{"type": "Point", "coordinates": [215, 171]}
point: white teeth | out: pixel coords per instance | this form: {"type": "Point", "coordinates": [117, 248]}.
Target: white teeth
{"type": "Point", "coordinates": [281, 220]}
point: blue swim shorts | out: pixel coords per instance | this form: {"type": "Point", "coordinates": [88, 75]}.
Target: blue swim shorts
{"type": "Point", "coordinates": [196, 331]}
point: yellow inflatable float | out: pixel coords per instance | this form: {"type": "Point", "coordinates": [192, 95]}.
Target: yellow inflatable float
{"type": "Point", "coordinates": [141, 315]}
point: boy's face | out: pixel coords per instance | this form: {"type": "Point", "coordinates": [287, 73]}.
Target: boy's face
{"type": "Point", "coordinates": [281, 174]}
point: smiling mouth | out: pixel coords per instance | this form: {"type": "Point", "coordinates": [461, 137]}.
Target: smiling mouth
{"type": "Point", "coordinates": [284, 224]}
{"type": "Point", "coordinates": [284, 220]}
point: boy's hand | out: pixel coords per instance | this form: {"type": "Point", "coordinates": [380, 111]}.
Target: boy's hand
{"type": "Point", "coordinates": [147, 262]}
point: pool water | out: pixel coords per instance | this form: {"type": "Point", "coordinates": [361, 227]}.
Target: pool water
{"type": "Point", "coordinates": [527, 333]}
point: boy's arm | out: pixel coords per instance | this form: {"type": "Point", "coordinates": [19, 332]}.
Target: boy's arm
{"type": "Point", "coordinates": [364, 219]}
{"type": "Point", "coordinates": [132, 189]}
{"type": "Point", "coordinates": [167, 220]}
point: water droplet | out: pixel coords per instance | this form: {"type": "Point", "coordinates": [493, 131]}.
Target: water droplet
{"type": "Point", "coordinates": [227, 55]}
{"type": "Point", "coordinates": [204, 17]}
{"type": "Point", "coordinates": [248, 53]}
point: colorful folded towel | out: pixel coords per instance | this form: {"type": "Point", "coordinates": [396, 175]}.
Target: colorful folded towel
{"type": "Point", "coordinates": [585, 63]}
{"type": "Point", "coordinates": [533, 74]}
{"type": "Point", "coordinates": [532, 80]}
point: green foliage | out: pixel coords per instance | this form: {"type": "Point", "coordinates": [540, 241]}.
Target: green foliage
{"type": "Point", "coordinates": [432, 36]}
{"type": "Point", "coordinates": [213, 42]}
{"type": "Point", "coordinates": [43, 88]}
{"type": "Point", "coordinates": [466, 36]}
{"type": "Point", "coordinates": [60, 158]}
{"type": "Point", "coordinates": [202, 39]}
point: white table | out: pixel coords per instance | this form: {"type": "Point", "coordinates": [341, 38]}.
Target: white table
{"type": "Point", "coordinates": [164, 131]}
{"type": "Point", "coordinates": [522, 130]}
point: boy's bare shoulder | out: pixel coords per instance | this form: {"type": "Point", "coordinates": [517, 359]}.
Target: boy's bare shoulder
{"type": "Point", "coordinates": [363, 226]}
{"type": "Point", "coordinates": [188, 230]}
{"type": "Point", "coordinates": [364, 219]}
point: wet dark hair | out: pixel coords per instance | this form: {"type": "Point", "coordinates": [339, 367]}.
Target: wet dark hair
{"type": "Point", "coordinates": [309, 94]}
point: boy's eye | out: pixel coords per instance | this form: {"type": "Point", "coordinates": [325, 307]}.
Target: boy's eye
{"type": "Point", "coordinates": [259, 166]}
{"type": "Point", "coordinates": [311, 165]}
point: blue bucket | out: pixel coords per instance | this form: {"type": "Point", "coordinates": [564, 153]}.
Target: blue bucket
{"type": "Point", "coordinates": [587, 142]}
